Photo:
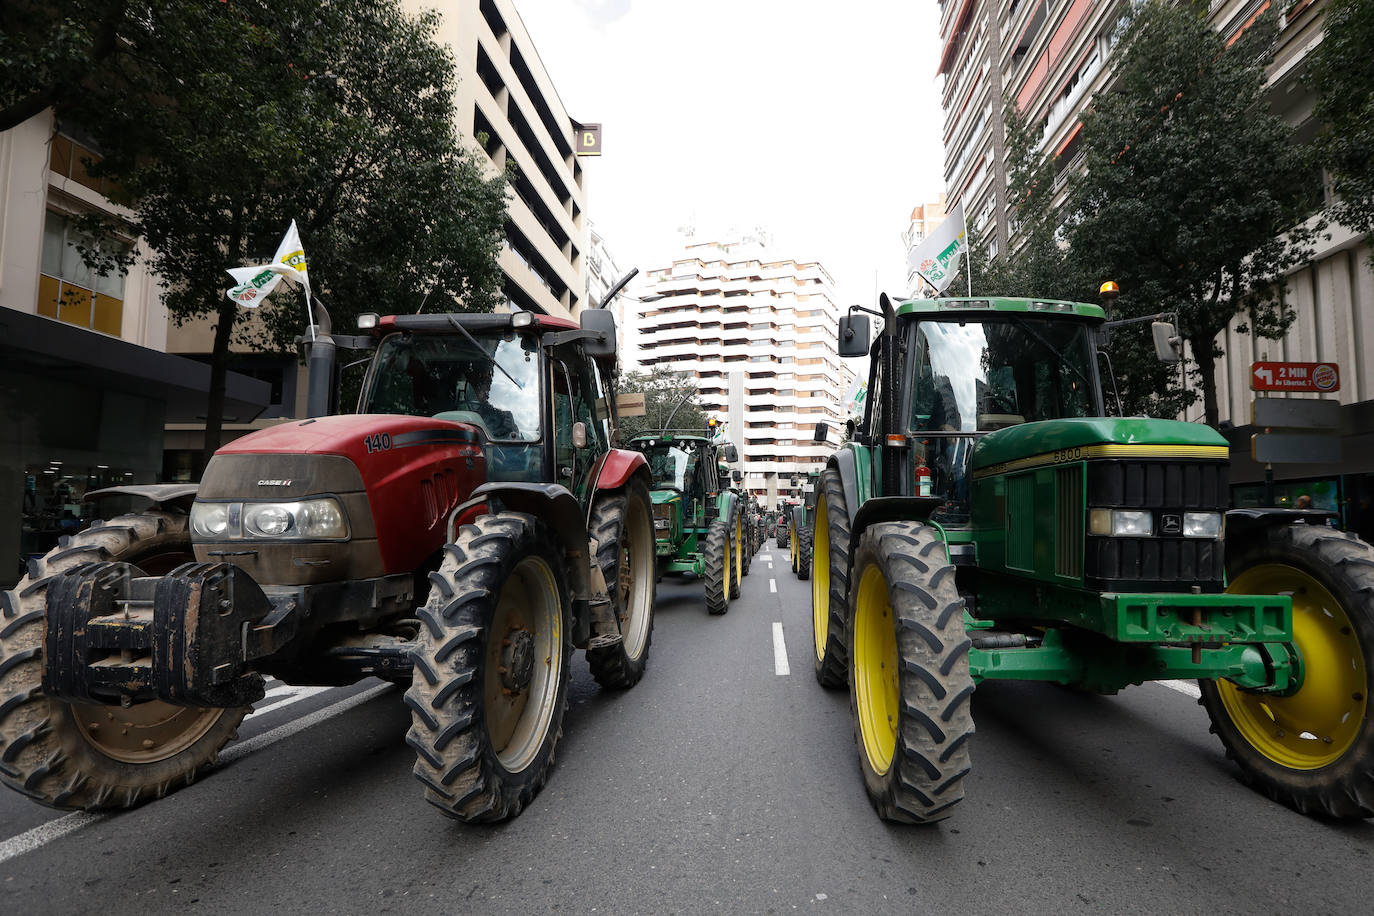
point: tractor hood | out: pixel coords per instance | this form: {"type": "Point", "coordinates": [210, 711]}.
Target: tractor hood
{"type": "Point", "coordinates": [1095, 437]}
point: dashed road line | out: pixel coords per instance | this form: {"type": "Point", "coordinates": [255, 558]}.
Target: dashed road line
{"type": "Point", "coordinates": [779, 651]}
{"type": "Point", "coordinates": [1185, 687]}
{"type": "Point", "coordinates": [772, 585]}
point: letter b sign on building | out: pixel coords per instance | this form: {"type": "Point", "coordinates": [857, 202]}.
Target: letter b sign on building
{"type": "Point", "coordinates": [588, 139]}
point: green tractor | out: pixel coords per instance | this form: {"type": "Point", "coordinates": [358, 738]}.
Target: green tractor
{"type": "Point", "coordinates": [698, 517]}
{"type": "Point", "coordinates": [988, 520]}
{"type": "Point", "coordinates": [800, 535]}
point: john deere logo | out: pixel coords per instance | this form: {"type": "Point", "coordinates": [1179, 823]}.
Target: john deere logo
{"type": "Point", "coordinates": [1172, 524]}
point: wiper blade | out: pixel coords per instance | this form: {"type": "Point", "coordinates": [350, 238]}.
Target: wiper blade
{"type": "Point", "coordinates": [491, 359]}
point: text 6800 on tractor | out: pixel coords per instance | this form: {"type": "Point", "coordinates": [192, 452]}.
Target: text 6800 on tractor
{"type": "Point", "coordinates": [988, 520]}
{"type": "Point", "coordinates": [461, 534]}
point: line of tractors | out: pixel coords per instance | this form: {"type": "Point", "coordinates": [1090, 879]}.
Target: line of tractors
{"type": "Point", "coordinates": [476, 520]}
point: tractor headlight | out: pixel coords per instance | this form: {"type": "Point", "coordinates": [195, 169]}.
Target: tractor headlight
{"type": "Point", "coordinates": [1202, 524]}
{"type": "Point", "coordinates": [308, 519]}
{"type": "Point", "coordinates": [210, 520]}
{"type": "Point", "coordinates": [1121, 523]}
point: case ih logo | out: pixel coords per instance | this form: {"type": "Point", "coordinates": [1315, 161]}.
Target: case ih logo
{"type": "Point", "coordinates": [274, 483]}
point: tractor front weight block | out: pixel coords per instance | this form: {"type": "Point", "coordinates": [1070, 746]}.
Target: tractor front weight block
{"type": "Point", "coordinates": [186, 638]}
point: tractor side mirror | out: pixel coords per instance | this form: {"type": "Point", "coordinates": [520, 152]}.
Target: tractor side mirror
{"type": "Point", "coordinates": [579, 435]}
{"type": "Point", "coordinates": [601, 323]}
{"type": "Point", "coordinates": [822, 432]}
{"type": "Point", "coordinates": [736, 476]}
{"type": "Point", "coordinates": [731, 453]}
{"type": "Point", "coordinates": [854, 335]}
{"type": "Point", "coordinates": [1168, 345]}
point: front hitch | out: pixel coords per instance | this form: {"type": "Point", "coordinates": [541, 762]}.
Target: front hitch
{"type": "Point", "coordinates": [187, 638]}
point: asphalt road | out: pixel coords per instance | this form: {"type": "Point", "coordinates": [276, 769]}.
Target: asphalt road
{"type": "Point", "coordinates": [718, 784]}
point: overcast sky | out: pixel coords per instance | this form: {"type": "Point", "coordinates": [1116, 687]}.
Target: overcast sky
{"type": "Point", "coordinates": [817, 121]}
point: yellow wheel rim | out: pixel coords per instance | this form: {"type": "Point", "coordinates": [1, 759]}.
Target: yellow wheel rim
{"type": "Point", "coordinates": [820, 579]}
{"type": "Point", "coordinates": [739, 549]}
{"type": "Point", "coordinates": [875, 669]}
{"type": "Point", "coordinates": [792, 545]}
{"type": "Point", "coordinates": [1316, 725]}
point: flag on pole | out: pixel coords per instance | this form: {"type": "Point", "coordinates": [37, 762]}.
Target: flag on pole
{"type": "Point", "coordinates": [938, 256]}
{"type": "Point", "coordinates": [253, 284]}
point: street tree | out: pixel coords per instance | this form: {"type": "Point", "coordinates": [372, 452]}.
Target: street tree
{"type": "Point", "coordinates": [670, 401]}
{"type": "Point", "coordinates": [1194, 192]}
{"type": "Point", "coordinates": [222, 122]}
{"type": "Point", "coordinates": [1341, 71]}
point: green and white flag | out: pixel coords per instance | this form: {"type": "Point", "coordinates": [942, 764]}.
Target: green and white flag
{"type": "Point", "coordinates": [253, 284]}
{"type": "Point", "coordinates": [938, 256]}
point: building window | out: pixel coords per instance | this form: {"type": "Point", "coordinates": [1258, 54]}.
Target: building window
{"type": "Point", "coordinates": [70, 291]}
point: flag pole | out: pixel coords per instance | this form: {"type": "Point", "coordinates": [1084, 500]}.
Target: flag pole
{"type": "Point", "coordinates": [968, 269]}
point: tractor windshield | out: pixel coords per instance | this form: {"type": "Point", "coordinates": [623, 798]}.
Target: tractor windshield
{"type": "Point", "coordinates": [978, 376]}
{"type": "Point", "coordinates": [489, 380]}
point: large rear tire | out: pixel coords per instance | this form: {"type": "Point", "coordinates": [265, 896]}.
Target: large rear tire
{"type": "Point", "coordinates": [492, 665]}
{"type": "Point", "coordinates": [623, 525]}
{"type": "Point", "coordinates": [716, 559]}
{"type": "Point", "coordinates": [830, 582]}
{"type": "Point", "coordinates": [75, 755]}
{"type": "Point", "coordinates": [910, 685]}
{"type": "Point", "coordinates": [1313, 749]}
{"type": "Point", "coordinates": [747, 543]}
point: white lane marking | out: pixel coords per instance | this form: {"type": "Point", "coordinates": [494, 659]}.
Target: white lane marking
{"type": "Point", "coordinates": [234, 752]}
{"type": "Point", "coordinates": [44, 834]}
{"type": "Point", "coordinates": [772, 585]}
{"type": "Point", "coordinates": [779, 651]}
{"type": "Point", "coordinates": [300, 693]}
{"type": "Point", "coordinates": [1185, 687]}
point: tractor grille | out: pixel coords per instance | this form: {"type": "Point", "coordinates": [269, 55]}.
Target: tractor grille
{"type": "Point", "coordinates": [1068, 521]}
{"type": "Point", "coordinates": [1162, 562]}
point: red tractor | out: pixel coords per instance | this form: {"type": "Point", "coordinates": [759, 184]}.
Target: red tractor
{"type": "Point", "coordinates": [461, 533]}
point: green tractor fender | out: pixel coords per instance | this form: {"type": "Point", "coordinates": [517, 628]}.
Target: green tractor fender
{"type": "Point", "coordinates": [727, 500]}
{"type": "Point", "coordinates": [1243, 524]}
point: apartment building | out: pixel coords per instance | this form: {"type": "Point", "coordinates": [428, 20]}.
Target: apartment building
{"type": "Point", "coordinates": [85, 384]}
{"type": "Point", "coordinates": [1050, 57]}
{"type": "Point", "coordinates": [508, 108]}
{"type": "Point", "coordinates": [757, 333]}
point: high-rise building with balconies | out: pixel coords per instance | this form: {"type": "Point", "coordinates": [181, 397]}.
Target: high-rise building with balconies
{"type": "Point", "coordinates": [757, 334]}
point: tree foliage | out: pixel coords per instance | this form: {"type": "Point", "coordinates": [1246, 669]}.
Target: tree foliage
{"type": "Point", "coordinates": [222, 122]}
{"type": "Point", "coordinates": [668, 399]}
{"type": "Point", "coordinates": [1341, 71]}
{"type": "Point", "coordinates": [1194, 192]}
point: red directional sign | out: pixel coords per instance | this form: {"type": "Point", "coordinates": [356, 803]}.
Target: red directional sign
{"type": "Point", "coordinates": [1271, 376]}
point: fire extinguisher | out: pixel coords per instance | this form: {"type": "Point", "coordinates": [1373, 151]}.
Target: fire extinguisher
{"type": "Point", "coordinates": [923, 481]}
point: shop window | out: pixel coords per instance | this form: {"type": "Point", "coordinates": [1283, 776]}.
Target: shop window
{"type": "Point", "coordinates": [72, 292]}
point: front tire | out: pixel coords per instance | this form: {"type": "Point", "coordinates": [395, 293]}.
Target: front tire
{"type": "Point", "coordinates": [622, 523]}
{"type": "Point", "coordinates": [492, 665]}
{"type": "Point", "coordinates": [830, 582]}
{"type": "Point", "coordinates": [910, 685]}
{"type": "Point", "coordinates": [1313, 749]}
{"type": "Point", "coordinates": [804, 554]}
{"type": "Point", "coordinates": [717, 562]}
{"type": "Point", "coordinates": [736, 552]}
{"type": "Point", "coordinates": [93, 756]}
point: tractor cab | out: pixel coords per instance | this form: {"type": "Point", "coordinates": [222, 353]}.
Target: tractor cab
{"type": "Point", "coordinates": [967, 368]}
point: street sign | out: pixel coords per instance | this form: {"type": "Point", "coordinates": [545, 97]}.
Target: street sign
{"type": "Point", "coordinates": [1276, 376]}
{"type": "Point", "coordinates": [1295, 448]}
{"type": "Point", "coordinates": [1296, 413]}
{"type": "Point", "coordinates": [588, 138]}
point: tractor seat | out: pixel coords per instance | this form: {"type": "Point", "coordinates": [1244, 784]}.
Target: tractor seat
{"type": "Point", "coordinates": [470, 417]}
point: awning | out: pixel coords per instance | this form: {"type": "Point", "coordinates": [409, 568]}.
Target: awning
{"type": "Point", "coordinates": [47, 348]}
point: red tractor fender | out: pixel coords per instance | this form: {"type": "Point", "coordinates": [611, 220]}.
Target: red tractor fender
{"type": "Point", "coordinates": [620, 465]}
